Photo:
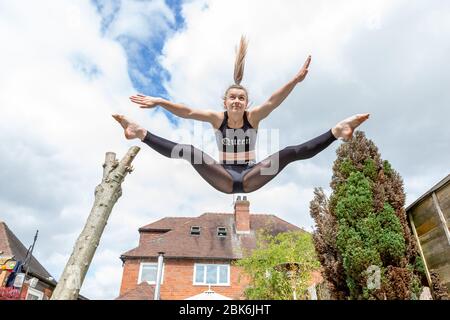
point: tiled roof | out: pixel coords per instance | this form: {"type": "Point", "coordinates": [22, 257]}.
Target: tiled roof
{"type": "Point", "coordinates": [179, 243]}
{"type": "Point", "coordinates": [11, 246]}
{"type": "Point", "coordinates": [166, 223]}
{"type": "Point", "coordinates": [142, 291]}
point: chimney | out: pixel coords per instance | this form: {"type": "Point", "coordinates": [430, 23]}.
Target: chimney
{"type": "Point", "coordinates": [242, 215]}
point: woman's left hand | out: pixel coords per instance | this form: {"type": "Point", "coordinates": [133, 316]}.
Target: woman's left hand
{"type": "Point", "coordinates": [304, 70]}
{"type": "Point", "coordinates": [145, 101]}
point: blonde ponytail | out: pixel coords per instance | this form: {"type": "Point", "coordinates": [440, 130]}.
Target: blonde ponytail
{"type": "Point", "coordinates": [239, 67]}
{"type": "Point", "coordinates": [240, 61]}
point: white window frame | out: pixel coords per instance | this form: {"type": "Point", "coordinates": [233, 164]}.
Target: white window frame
{"type": "Point", "coordinates": [195, 283]}
{"type": "Point", "coordinates": [141, 267]}
{"type": "Point", "coordinates": [35, 292]}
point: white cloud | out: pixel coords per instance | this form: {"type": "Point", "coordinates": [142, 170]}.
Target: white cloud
{"type": "Point", "coordinates": [103, 281]}
{"type": "Point", "coordinates": [281, 36]}
{"type": "Point", "coordinates": [142, 20]}
{"type": "Point", "coordinates": [382, 57]}
{"type": "Point", "coordinates": [287, 201]}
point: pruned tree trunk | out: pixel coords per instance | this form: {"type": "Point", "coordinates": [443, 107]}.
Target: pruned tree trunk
{"type": "Point", "coordinates": [106, 195]}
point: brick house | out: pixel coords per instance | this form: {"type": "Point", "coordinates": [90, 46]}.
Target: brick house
{"type": "Point", "coordinates": [38, 285]}
{"type": "Point", "coordinates": [12, 255]}
{"type": "Point", "coordinates": [198, 253]}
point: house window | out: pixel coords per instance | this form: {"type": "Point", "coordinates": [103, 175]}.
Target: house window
{"type": "Point", "coordinates": [33, 294]}
{"type": "Point", "coordinates": [222, 231]}
{"type": "Point", "coordinates": [148, 272]}
{"type": "Point", "coordinates": [215, 274]}
{"type": "Point", "coordinates": [195, 231]}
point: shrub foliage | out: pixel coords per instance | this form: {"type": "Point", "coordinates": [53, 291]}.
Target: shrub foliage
{"type": "Point", "coordinates": [362, 236]}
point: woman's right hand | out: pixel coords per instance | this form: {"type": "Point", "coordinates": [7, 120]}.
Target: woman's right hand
{"type": "Point", "coordinates": [145, 101]}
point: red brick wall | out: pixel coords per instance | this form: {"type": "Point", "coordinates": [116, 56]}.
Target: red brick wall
{"type": "Point", "coordinates": [41, 287]}
{"type": "Point", "coordinates": [242, 215]}
{"type": "Point", "coordinates": [24, 292]}
{"type": "Point", "coordinates": [178, 279]}
{"type": "Point", "coordinates": [130, 275]}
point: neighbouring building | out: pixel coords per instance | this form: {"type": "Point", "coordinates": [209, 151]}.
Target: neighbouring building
{"type": "Point", "coordinates": [38, 285]}
{"type": "Point", "coordinates": [197, 254]}
{"type": "Point", "coordinates": [14, 262]}
{"type": "Point", "coordinates": [429, 216]}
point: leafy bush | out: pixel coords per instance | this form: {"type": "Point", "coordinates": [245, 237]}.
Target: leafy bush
{"type": "Point", "coordinates": [266, 282]}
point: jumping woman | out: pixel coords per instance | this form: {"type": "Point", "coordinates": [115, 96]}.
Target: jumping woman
{"type": "Point", "coordinates": [236, 129]}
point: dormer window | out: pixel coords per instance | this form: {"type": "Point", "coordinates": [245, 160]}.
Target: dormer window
{"type": "Point", "coordinates": [221, 231]}
{"type": "Point", "coordinates": [195, 231]}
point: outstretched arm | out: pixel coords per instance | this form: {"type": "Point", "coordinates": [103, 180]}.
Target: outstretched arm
{"type": "Point", "coordinates": [177, 109]}
{"type": "Point", "coordinates": [260, 112]}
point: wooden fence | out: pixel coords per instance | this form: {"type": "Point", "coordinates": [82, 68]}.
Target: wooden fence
{"type": "Point", "coordinates": [430, 220]}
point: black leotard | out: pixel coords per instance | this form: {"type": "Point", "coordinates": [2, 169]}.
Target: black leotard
{"type": "Point", "coordinates": [236, 146]}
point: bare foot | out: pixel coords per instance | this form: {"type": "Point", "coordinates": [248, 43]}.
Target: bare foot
{"type": "Point", "coordinates": [345, 128]}
{"type": "Point", "coordinates": [132, 129]}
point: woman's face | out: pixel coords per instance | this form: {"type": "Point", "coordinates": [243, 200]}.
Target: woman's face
{"type": "Point", "coordinates": [236, 100]}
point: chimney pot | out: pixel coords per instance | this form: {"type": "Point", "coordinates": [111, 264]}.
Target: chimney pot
{"type": "Point", "coordinates": [242, 215]}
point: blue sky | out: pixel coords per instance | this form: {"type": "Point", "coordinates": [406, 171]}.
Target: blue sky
{"type": "Point", "coordinates": [68, 65]}
{"type": "Point", "coordinates": [143, 53]}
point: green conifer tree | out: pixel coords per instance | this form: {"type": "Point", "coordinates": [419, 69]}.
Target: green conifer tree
{"type": "Point", "coordinates": [362, 236]}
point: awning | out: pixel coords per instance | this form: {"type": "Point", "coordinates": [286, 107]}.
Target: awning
{"type": "Point", "coordinates": [208, 295]}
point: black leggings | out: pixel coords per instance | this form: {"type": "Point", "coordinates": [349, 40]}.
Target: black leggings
{"type": "Point", "coordinates": [239, 178]}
